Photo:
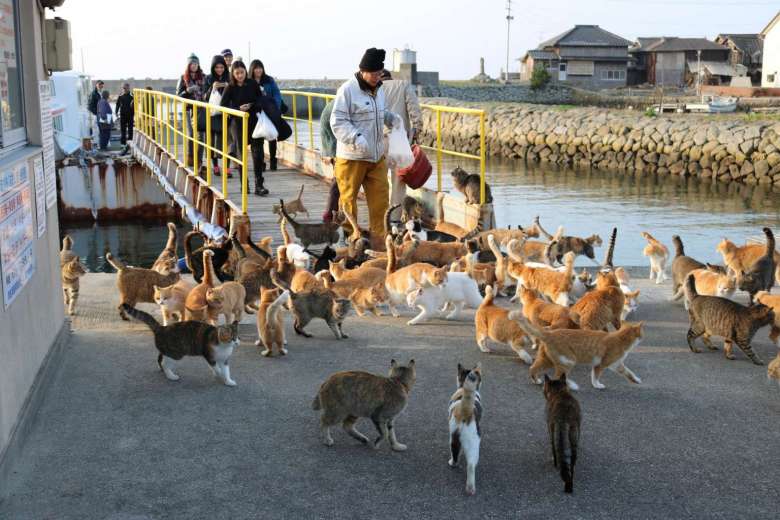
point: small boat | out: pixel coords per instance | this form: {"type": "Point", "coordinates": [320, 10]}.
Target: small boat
{"type": "Point", "coordinates": [720, 105]}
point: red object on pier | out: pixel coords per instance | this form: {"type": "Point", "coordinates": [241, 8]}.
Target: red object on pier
{"type": "Point", "coordinates": [420, 170]}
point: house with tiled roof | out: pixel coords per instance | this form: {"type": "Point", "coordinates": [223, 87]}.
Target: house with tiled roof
{"type": "Point", "coordinates": [746, 50]}
{"type": "Point", "coordinates": [585, 56]}
{"type": "Point", "coordinates": [673, 61]}
{"type": "Point", "coordinates": [770, 67]}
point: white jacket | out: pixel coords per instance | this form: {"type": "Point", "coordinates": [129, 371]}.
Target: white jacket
{"type": "Point", "coordinates": [401, 99]}
{"type": "Point", "coordinates": [358, 112]}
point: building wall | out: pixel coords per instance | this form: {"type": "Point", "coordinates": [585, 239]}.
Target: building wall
{"type": "Point", "coordinates": [669, 68]}
{"type": "Point", "coordinates": [597, 81]}
{"type": "Point", "coordinates": [770, 69]}
{"type": "Point", "coordinates": [29, 327]}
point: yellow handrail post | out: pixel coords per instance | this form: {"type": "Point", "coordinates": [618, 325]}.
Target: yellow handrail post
{"type": "Point", "coordinates": [208, 146]}
{"type": "Point", "coordinates": [184, 133]}
{"type": "Point", "coordinates": [244, 180]}
{"type": "Point", "coordinates": [157, 120]}
{"type": "Point", "coordinates": [311, 126]}
{"type": "Point", "coordinates": [195, 140]}
{"type": "Point", "coordinates": [482, 158]}
{"type": "Point", "coordinates": [224, 155]}
{"type": "Point", "coordinates": [295, 120]}
{"type": "Point", "coordinates": [438, 150]}
{"type": "Point", "coordinates": [167, 124]}
{"type": "Point", "coordinates": [175, 130]}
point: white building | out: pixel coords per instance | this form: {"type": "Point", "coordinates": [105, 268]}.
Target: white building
{"type": "Point", "coordinates": [770, 75]}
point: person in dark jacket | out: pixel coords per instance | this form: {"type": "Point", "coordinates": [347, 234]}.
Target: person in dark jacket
{"type": "Point", "coordinates": [219, 80]}
{"type": "Point", "coordinates": [125, 111]}
{"type": "Point", "coordinates": [191, 85]}
{"type": "Point", "coordinates": [105, 119]}
{"type": "Point", "coordinates": [269, 89]}
{"type": "Point", "coordinates": [328, 152]}
{"type": "Point", "coordinates": [243, 93]}
{"type": "Point", "coordinates": [94, 99]}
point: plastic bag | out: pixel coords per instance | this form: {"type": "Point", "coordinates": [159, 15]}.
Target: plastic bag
{"type": "Point", "coordinates": [264, 129]}
{"type": "Point", "coordinates": [399, 153]}
{"type": "Point", "coordinates": [215, 98]}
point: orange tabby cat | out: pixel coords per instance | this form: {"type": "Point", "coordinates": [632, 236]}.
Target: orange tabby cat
{"type": "Point", "coordinates": [527, 250]}
{"type": "Point", "coordinates": [563, 349]}
{"type": "Point", "coordinates": [171, 300]}
{"type": "Point", "coordinates": [366, 275]}
{"type": "Point", "coordinates": [303, 281]}
{"type": "Point", "coordinates": [196, 306]}
{"type": "Point", "coordinates": [544, 314]}
{"type": "Point", "coordinates": [270, 321]}
{"type": "Point", "coordinates": [399, 283]}
{"type": "Point", "coordinates": [602, 306]}
{"type": "Point", "coordinates": [493, 322]}
{"type": "Point", "coordinates": [440, 254]}
{"type": "Point", "coordinates": [773, 370]}
{"type": "Point", "coordinates": [228, 300]}
{"type": "Point", "coordinates": [712, 281]}
{"type": "Point", "coordinates": [555, 285]}
{"type": "Point", "coordinates": [367, 298]}
{"type": "Point", "coordinates": [136, 285]}
{"type": "Point", "coordinates": [658, 255]}
{"type": "Point", "coordinates": [741, 258]}
{"type": "Point", "coordinates": [70, 272]}
{"type": "Point", "coordinates": [773, 302]}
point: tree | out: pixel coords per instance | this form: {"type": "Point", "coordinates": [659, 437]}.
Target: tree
{"type": "Point", "coordinates": [540, 78]}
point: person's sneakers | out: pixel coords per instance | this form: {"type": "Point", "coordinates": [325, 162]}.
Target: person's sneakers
{"type": "Point", "coordinates": [260, 191]}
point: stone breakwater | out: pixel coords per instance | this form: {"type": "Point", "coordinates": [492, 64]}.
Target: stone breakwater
{"type": "Point", "coordinates": [729, 149]}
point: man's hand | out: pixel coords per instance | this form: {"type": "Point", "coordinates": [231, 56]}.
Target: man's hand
{"type": "Point", "coordinates": [361, 145]}
{"type": "Point", "coordinates": [245, 107]}
{"type": "Point", "coordinates": [397, 121]}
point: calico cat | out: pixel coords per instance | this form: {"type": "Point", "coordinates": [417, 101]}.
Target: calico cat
{"type": "Point", "coordinates": [191, 338]}
{"type": "Point", "coordinates": [194, 259]}
{"type": "Point", "coordinates": [564, 417]}
{"type": "Point", "coordinates": [579, 246]}
{"type": "Point", "coordinates": [321, 233]}
{"type": "Point", "coordinates": [346, 396]}
{"type": "Point", "coordinates": [469, 186]}
{"type": "Point", "coordinates": [294, 206]}
{"type": "Point", "coordinates": [715, 316]}
{"type": "Point", "coordinates": [411, 209]}
{"type": "Point", "coordinates": [196, 306]}
{"type": "Point", "coordinates": [681, 266]}
{"type": "Point", "coordinates": [658, 255]}
{"type": "Point", "coordinates": [492, 321]}
{"type": "Point", "coordinates": [169, 251]}
{"type": "Point", "coordinates": [227, 299]}
{"type": "Point", "coordinates": [171, 300]}
{"type": "Point", "coordinates": [465, 410]}
{"type": "Point", "coordinates": [761, 275]}
{"type": "Point", "coordinates": [308, 305]}
{"type": "Point", "coordinates": [70, 272]}
{"type": "Point", "coordinates": [270, 321]}
{"type": "Point", "coordinates": [444, 226]}
{"type": "Point", "coordinates": [563, 349]}
{"type": "Point", "coordinates": [136, 285]}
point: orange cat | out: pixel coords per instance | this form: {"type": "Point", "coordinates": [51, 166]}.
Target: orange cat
{"type": "Point", "coordinates": [602, 306]}
{"type": "Point", "coordinates": [196, 306]}
{"type": "Point", "coordinates": [712, 281]}
{"type": "Point", "coordinates": [527, 250]}
{"type": "Point", "coordinates": [544, 314]}
{"type": "Point", "coordinates": [366, 275]}
{"type": "Point", "coordinates": [740, 259]}
{"type": "Point", "coordinates": [492, 322]}
{"type": "Point", "coordinates": [773, 302]}
{"type": "Point", "coordinates": [228, 300]}
{"type": "Point", "coordinates": [563, 349]}
{"type": "Point", "coordinates": [773, 370]}
{"type": "Point", "coordinates": [399, 283]}
{"type": "Point", "coordinates": [658, 255]}
{"type": "Point", "coordinates": [270, 321]}
{"type": "Point", "coordinates": [171, 300]}
{"type": "Point", "coordinates": [555, 285]}
{"type": "Point", "coordinates": [303, 281]}
{"type": "Point", "coordinates": [367, 298]}
{"type": "Point", "coordinates": [440, 254]}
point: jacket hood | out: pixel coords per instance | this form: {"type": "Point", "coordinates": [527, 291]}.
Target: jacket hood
{"type": "Point", "coordinates": [214, 61]}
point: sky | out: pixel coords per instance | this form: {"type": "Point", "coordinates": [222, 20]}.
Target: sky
{"type": "Point", "coordinates": [318, 39]}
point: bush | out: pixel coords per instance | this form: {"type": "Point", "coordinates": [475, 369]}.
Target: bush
{"type": "Point", "coordinates": [540, 78]}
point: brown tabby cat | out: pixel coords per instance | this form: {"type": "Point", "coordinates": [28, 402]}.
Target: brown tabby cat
{"type": "Point", "coordinates": [322, 233]}
{"type": "Point", "coordinates": [191, 338]}
{"type": "Point", "coordinates": [70, 272]}
{"type": "Point", "coordinates": [411, 209]}
{"type": "Point", "coordinates": [681, 266]}
{"type": "Point", "coordinates": [469, 186]}
{"type": "Point", "coordinates": [761, 275]}
{"type": "Point", "coordinates": [346, 396]}
{"type": "Point", "coordinates": [735, 323]}
{"type": "Point", "coordinates": [563, 424]}
{"type": "Point", "coordinates": [169, 251]}
{"type": "Point", "coordinates": [136, 285]}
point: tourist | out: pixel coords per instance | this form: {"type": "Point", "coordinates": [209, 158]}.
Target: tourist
{"type": "Point", "coordinates": [401, 99]}
{"type": "Point", "coordinates": [105, 118]}
{"type": "Point", "coordinates": [357, 119]}
{"type": "Point", "coordinates": [125, 108]}
{"type": "Point", "coordinates": [328, 153]}
{"type": "Point", "coordinates": [218, 79]}
{"type": "Point", "coordinates": [191, 86]}
{"type": "Point", "coordinates": [92, 106]}
{"type": "Point", "coordinates": [152, 111]}
{"type": "Point", "coordinates": [228, 55]}
{"type": "Point", "coordinates": [243, 94]}
{"type": "Point", "coordinates": [269, 88]}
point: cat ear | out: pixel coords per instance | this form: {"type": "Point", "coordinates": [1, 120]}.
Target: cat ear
{"type": "Point", "coordinates": [460, 368]}
{"type": "Point", "coordinates": [547, 378]}
{"type": "Point", "coordinates": [411, 363]}
{"type": "Point", "coordinates": [393, 363]}
{"type": "Point", "coordinates": [478, 366]}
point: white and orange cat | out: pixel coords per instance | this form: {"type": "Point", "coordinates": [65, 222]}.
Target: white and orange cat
{"type": "Point", "coordinates": [658, 254]}
{"type": "Point", "coordinates": [492, 322]}
{"type": "Point", "coordinates": [171, 300]}
{"type": "Point", "coordinates": [401, 282]}
{"type": "Point", "coordinates": [228, 300]}
{"type": "Point", "coordinates": [603, 306]}
{"type": "Point", "coordinates": [270, 321]}
{"type": "Point", "coordinates": [555, 285]}
{"type": "Point", "coordinates": [714, 280]}
{"type": "Point", "coordinates": [631, 303]}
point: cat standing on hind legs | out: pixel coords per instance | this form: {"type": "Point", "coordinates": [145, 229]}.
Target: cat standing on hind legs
{"type": "Point", "coordinates": [465, 415]}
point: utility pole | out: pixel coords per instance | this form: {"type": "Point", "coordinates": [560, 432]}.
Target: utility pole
{"type": "Point", "coordinates": [698, 72]}
{"type": "Point", "coordinates": [83, 68]}
{"type": "Point", "coordinates": [509, 19]}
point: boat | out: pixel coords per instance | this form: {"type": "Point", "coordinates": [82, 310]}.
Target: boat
{"type": "Point", "coordinates": [720, 105]}
{"type": "Point", "coordinates": [71, 119]}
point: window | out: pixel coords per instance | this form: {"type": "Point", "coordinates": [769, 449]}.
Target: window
{"type": "Point", "coordinates": [11, 101]}
{"type": "Point", "coordinates": [770, 78]}
{"type": "Point", "coordinates": [580, 68]}
{"type": "Point", "coordinates": [58, 123]}
{"type": "Point", "coordinates": [613, 75]}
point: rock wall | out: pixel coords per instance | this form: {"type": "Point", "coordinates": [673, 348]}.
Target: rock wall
{"type": "Point", "coordinates": [553, 94]}
{"type": "Point", "coordinates": [728, 148]}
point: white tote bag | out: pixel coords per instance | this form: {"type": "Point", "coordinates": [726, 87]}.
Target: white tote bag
{"type": "Point", "coordinates": [399, 153]}
{"type": "Point", "coordinates": [215, 98]}
{"type": "Point", "coordinates": [264, 129]}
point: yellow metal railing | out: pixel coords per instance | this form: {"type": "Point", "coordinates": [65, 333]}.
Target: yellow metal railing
{"type": "Point", "coordinates": [161, 117]}
{"type": "Point", "coordinates": [438, 148]}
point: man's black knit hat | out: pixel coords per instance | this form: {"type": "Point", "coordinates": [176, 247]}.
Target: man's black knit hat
{"type": "Point", "coordinates": [373, 60]}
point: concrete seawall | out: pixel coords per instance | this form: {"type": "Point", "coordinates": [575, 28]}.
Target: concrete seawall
{"type": "Point", "coordinates": [728, 148]}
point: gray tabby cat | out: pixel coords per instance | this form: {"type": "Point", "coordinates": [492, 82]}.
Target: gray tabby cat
{"type": "Point", "coordinates": [318, 303]}
{"type": "Point", "coordinates": [191, 338]}
{"type": "Point", "coordinates": [323, 233]}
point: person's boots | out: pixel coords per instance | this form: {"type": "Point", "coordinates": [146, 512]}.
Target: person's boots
{"type": "Point", "coordinates": [273, 164]}
{"type": "Point", "coordinates": [259, 185]}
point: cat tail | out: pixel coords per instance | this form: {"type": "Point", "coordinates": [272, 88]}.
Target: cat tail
{"type": "Point", "coordinates": [679, 250]}
{"type": "Point", "coordinates": [316, 404]}
{"type": "Point", "coordinates": [257, 249]}
{"type": "Point", "coordinates": [494, 247]}
{"type": "Point", "coordinates": [387, 217]}
{"type": "Point", "coordinates": [117, 263]}
{"type": "Point", "coordinates": [275, 306]}
{"type": "Point", "coordinates": [540, 229]}
{"type": "Point", "coordinates": [489, 296]}
{"type": "Point", "coordinates": [390, 267]}
{"type": "Point", "coordinates": [188, 249]}
{"type": "Point", "coordinates": [284, 286]}
{"type": "Point", "coordinates": [239, 248]}
{"type": "Point", "coordinates": [565, 456]}
{"type": "Point", "coordinates": [300, 192]}
{"type": "Point", "coordinates": [286, 215]}
{"type": "Point", "coordinates": [610, 249]}
{"type": "Point", "coordinates": [529, 328]}
{"type": "Point", "coordinates": [143, 317]}
{"type": "Point", "coordinates": [67, 243]}
{"type": "Point", "coordinates": [770, 242]}
{"type": "Point", "coordinates": [172, 235]}
{"type": "Point", "coordinates": [514, 250]}
{"type": "Point", "coordinates": [285, 233]}
{"type": "Point", "coordinates": [209, 276]}
{"type": "Point", "coordinates": [690, 287]}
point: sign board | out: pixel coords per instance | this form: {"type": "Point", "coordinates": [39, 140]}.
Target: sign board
{"type": "Point", "coordinates": [17, 261]}
{"type": "Point", "coordinates": [40, 196]}
{"type": "Point", "coordinates": [47, 134]}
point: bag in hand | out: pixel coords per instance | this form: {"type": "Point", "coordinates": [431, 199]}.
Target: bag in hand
{"type": "Point", "coordinates": [416, 175]}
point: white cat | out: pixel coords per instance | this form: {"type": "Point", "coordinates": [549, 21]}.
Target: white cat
{"type": "Point", "coordinates": [459, 291]}
{"type": "Point", "coordinates": [298, 255]}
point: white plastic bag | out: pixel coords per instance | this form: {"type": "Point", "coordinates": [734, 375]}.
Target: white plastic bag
{"type": "Point", "coordinates": [215, 98]}
{"type": "Point", "coordinates": [264, 129]}
{"type": "Point", "coordinates": [399, 153]}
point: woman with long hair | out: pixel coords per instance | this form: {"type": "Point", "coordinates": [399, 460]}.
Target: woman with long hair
{"type": "Point", "coordinates": [218, 80]}
{"type": "Point", "coordinates": [243, 94]}
{"type": "Point", "coordinates": [269, 88]}
{"type": "Point", "coordinates": [191, 86]}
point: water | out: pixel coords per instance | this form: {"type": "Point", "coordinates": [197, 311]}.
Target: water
{"type": "Point", "coordinates": [584, 202]}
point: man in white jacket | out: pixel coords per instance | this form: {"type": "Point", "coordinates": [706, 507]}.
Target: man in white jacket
{"type": "Point", "coordinates": [357, 121]}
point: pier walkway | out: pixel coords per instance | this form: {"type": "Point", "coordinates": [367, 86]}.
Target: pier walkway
{"type": "Point", "coordinates": [115, 440]}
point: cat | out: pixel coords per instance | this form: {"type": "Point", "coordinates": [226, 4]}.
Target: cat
{"type": "Point", "coordinates": [324, 259]}
{"type": "Point", "coordinates": [437, 253]}
{"type": "Point", "coordinates": [503, 278]}
{"type": "Point", "coordinates": [346, 396]}
{"type": "Point", "coordinates": [196, 306]}
{"type": "Point", "coordinates": [411, 209]}
{"type": "Point", "coordinates": [603, 306]}
{"type": "Point", "coordinates": [760, 276]}
{"type": "Point", "coordinates": [579, 246]}
{"type": "Point", "coordinates": [772, 301]}
{"type": "Point", "coordinates": [444, 226]}
{"type": "Point", "coordinates": [400, 282]}
{"type": "Point", "coordinates": [367, 275]}
{"type": "Point", "coordinates": [564, 418]}
{"type": "Point", "coordinates": [459, 291]}
{"type": "Point", "coordinates": [716, 316]}
{"type": "Point", "coordinates": [294, 206]}
{"type": "Point", "coordinates": [253, 275]}
{"type": "Point", "coordinates": [368, 298]}
{"type": "Point", "coordinates": [465, 414]}
{"type": "Point", "coordinates": [544, 314]}
{"type": "Point", "coordinates": [681, 266]}
{"type": "Point", "coordinates": [70, 273]}
{"type": "Point", "coordinates": [555, 285]}
{"type": "Point", "coordinates": [492, 322]}
{"type": "Point", "coordinates": [320, 233]}
{"type": "Point", "coordinates": [300, 256]}
{"type": "Point", "coordinates": [170, 249]}
{"type": "Point", "coordinates": [563, 349]}
{"type": "Point", "coordinates": [228, 299]}
{"type": "Point", "coordinates": [194, 258]}
{"type": "Point", "coordinates": [469, 186]}
{"type": "Point", "coordinates": [773, 370]}
{"type": "Point", "coordinates": [270, 321]}
{"type": "Point", "coordinates": [191, 338]}
{"type": "Point", "coordinates": [308, 305]}
{"type": "Point", "coordinates": [482, 273]}
{"type": "Point", "coordinates": [741, 258]}
{"type": "Point", "coordinates": [528, 250]}
{"type": "Point", "coordinates": [658, 255]}
{"type": "Point", "coordinates": [171, 300]}
{"type": "Point", "coordinates": [305, 281]}
{"type": "Point", "coordinates": [66, 253]}
{"type": "Point", "coordinates": [136, 285]}
{"type": "Point", "coordinates": [415, 229]}
{"type": "Point", "coordinates": [631, 303]}
{"type": "Point", "coordinates": [711, 281]}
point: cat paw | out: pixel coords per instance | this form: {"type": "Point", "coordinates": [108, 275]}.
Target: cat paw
{"type": "Point", "coordinates": [597, 385]}
{"type": "Point", "coordinates": [328, 442]}
{"type": "Point", "coordinates": [266, 352]}
{"type": "Point", "coordinates": [344, 336]}
{"type": "Point", "coordinates": [452, 463]}
{"type": "Point", "coordinates": [258, 343]}
{"type": "Point", "coordinates": [398, 447]}
{"type": "Point", "coordinates": [757, 361]}
{"type": "Point", "coordinates": [283, 351]}
{"type": "Point", "coordinates": [172, 377]}
{"type": "Point", "coordinates": [731, 357]}
{"type": "Point", "coordinates": [230, 382]}
{"type": "Point", "coordinates": [471, 490]}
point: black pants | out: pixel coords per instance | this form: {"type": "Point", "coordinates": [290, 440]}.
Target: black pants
{"type": "Point", "coordinates": [216, 142]}
{"type": "Point", "coordinates": [126, 129]}
{"type": "Point", "coordinates": [258, 159]}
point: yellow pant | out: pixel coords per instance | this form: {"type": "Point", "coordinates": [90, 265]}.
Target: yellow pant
{"type": "Point", "coordinates": [350, 176]}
